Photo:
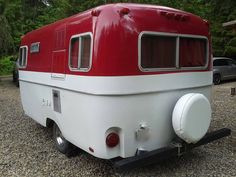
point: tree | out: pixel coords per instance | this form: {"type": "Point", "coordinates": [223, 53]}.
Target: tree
{"type": "Point", "coordinates": [6, 40]}
{"type": "Point", "coordinates": [222, 39]}
{"type": "Point", "coordinates": [17, 17]}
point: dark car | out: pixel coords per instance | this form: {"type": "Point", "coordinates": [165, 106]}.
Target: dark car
{"type": "Point", "coordinates": [223, 69]}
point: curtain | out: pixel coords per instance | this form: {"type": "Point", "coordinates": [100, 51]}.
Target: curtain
{"type": "Point", "coordinates": [158, 51]}
{"type": "Point", "coordinates": [74, 53]}
{"type": "Point", "coordinates": [192, 52]}
{"type": "Point", "coordinates": [85, 51]}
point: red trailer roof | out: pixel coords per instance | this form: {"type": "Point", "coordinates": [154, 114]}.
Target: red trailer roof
{"type": "Point", "coordinates": [116, 29]}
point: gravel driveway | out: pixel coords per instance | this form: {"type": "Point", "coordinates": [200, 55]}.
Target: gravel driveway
{"type": "Point", "coordinates": [27, 150]}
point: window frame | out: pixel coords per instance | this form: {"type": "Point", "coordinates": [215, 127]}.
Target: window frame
{"type": "Point", "coordinates": [79, 52]}
{"type": "Point", "coordinates": [177, 59]}
{"type": "Point", "coordinates": [26, 57]}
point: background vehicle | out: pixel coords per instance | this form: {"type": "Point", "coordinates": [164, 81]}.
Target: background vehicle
{"type": "Point", "coordinates": [223, 69]}
{"type": "Point", "coordinates": [15, 71]}
{"type": "Point", "coordinates": [15, 74]}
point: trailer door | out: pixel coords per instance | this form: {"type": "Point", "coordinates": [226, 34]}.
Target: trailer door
{"type": "Point", "coordinates": [59, 53]}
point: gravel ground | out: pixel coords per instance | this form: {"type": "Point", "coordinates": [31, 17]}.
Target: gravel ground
{"type": "Point", "coordinates": [27, 150]}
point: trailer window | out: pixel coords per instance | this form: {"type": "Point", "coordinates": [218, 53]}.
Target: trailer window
{"type": "Point", "coordinates": [158, 51]}
{"type": "Point", "coordinates": [23, 56]}
{"type": "Point", "coordinates": [163, 51]}
{"type": "Point", "coordinates": [80, 52]}
{"type": "Point", "coordinates": [34, 47]}
{"type": "Point", "coordinates": [74, 53]}
{"type": "Point", "coordinates": [192, 52]}
{"type": "Point", "coordinates": [85, 51]}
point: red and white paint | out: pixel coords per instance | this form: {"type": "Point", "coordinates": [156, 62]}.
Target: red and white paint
{"type": "Point", "coordinates": [115, 93]}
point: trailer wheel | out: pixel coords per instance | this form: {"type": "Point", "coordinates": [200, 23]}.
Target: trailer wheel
{"type": "Point", "coordinates": [61, 143]}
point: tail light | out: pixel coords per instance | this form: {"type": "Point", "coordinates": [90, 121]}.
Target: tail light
{"type": "Point", "coordinates": [112, 140]}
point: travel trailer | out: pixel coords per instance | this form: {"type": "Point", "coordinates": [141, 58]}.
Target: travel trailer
{"type": "Point", "coordinates": [121, 81]}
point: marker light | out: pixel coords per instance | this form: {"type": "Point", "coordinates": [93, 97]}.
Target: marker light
{"type": "Point", "coordinates": [175, 16]}
{"type": "Point", "coordinates": [95, 12]}
{"type": "Point", "coordinates": [170, 15]}
{"type": "Point", "coordinates": [124, 11]}
{"type": "Point", "coordinates": [112, 140]}
{"type": "Point", "coordinates": [178, 16]}
{"type": "Point", "coordinates": [206, 22]}
{"type": "Point", "coordinates": [185, 18]}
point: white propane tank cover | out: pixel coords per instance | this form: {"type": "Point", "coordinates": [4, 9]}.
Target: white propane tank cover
{"type": "Point", "coordinates": [191, 117]}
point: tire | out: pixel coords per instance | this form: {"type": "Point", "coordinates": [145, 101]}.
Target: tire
{"type": "Point", "coordinates": [61, 143]}
{"type": "Point", "coordinates": [216, 79]}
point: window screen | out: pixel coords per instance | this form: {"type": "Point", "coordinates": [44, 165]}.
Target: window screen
{"type": "Point", "coordinates": [80, 52]}
{"type": "Point", "coordinates": [22, 56]}
{"type": "Point", "coordinates": [158, 51]}
{"type": "Point", "coordinates": [192, 52]}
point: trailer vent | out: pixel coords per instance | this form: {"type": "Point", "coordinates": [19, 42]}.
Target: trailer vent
{"type": "Point", "coordinates": [56, 101]}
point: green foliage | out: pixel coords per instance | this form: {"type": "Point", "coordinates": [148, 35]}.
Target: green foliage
{"type": "Point", "coordinates": [17, 17]}
{"type": "Point", "coordinates": [230, 48]}
{"type": "Point", "coordinates": [6, 40]}
{"type": "Point", "coordinates": [6, 65]}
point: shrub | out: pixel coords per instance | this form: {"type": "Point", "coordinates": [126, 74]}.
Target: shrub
{"type": "Point", "coordinates": [6, 65]}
